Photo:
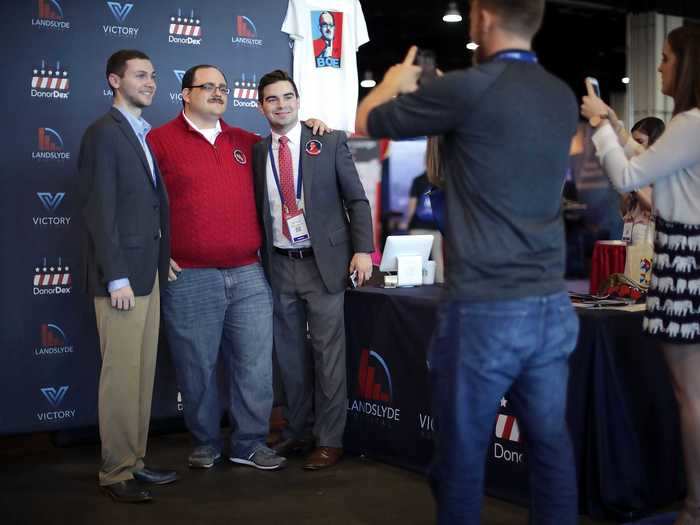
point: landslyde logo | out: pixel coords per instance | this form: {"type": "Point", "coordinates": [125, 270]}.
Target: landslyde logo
{"type": "Point", "coordinates": [374, 388]}
{"type": "Point", "coordinates": [246, 34]}
{"type": "Point", "coordinates": [53, 341]}
{"type": "Point", "coordinates": [50, 15]}
{"type": "Point", "coordinates": [50, 146]}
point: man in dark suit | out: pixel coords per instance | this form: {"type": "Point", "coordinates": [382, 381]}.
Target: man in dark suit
{"type": "Point", "coordinates": [318, 230]}
{"type": "Point", "coordinates": [124, 265]}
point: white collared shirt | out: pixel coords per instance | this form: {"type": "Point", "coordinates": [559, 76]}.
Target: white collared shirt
{"type": "Point", "coordinates": [273, 193]}
{"type": "Point", "coordinates": [671, 164]}
{"type": "Point", "coordinates": [209, 134]}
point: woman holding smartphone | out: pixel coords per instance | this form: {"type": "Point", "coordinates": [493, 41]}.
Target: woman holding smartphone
{"type": "Point", "coordinates": [673, 166]}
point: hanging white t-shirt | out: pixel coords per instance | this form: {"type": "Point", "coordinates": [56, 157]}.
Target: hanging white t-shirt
{"type": "Point", "coordinates": [327, 35]}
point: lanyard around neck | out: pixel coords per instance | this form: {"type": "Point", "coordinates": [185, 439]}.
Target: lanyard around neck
{"type": "Point", "coordinates": [516, 55]}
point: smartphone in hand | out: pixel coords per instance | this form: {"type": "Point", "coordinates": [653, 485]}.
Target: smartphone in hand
{"type": "Point", "coordinates": [425, 58]}
{"type": "Point", "coordinates": [593, 85]}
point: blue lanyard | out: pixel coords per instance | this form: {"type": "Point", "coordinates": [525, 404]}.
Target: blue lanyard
{"type": "Point", "coordinates": [519, 56]}
{"type": "Point", "coordinates": [277, 179]}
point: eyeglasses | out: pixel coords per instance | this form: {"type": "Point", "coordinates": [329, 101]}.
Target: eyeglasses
{"type": "Point", "coordinates": [330, 26]}
{"type": "Point", "coordinates": [210, 88]}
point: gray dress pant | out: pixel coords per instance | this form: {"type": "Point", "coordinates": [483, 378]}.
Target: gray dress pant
{"type": "Point", "coordinates": [300, 297]}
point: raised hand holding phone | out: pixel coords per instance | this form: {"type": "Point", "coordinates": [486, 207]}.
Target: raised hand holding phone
{"type": "Point", "coordinates": [592, 107]}
{"type": "Point", "coordinates": [593, 86]}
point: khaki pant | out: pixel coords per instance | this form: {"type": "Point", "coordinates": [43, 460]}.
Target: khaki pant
{"type": "Point", "coordinates": [128, 344]}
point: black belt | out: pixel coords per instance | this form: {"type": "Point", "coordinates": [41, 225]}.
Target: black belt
{"type": "Point", "coordinates": [296, 253]}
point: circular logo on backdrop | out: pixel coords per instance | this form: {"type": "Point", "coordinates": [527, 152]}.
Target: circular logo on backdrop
{"type": "Point", "coordinates": [239, 156]}
{"type": "Point", "coordinates": [313, 147]}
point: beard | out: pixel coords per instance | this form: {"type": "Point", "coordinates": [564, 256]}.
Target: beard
{"type": "Point", "coordinates": [136, 102]}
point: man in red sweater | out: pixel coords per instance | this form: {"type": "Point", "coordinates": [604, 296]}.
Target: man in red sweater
{"type": "Point", "coordinates": [218, 301]}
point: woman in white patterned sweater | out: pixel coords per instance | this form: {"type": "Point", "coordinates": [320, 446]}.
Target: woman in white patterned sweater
{"type": "Point", "coordinates": [672, 164]}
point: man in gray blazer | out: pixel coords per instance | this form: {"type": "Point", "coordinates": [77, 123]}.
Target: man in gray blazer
{"type": "Point", "coordinates": [125, 260]}
{"type": "Point", "coordinates": [318, 231]}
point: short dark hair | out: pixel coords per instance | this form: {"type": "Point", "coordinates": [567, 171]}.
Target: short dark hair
{"type": "Point", "coordinates": [652, 127]}
{"type": "Point", "coordinates": [685, 44]}
{"type": "Point", "coordinates": [116, 64]}
{"type": "Point", "coordinates": [275, 76]}
{"type": "Point", "coordinates": [188, 77]}
{"type": "Point", "coordinates": [520, 17]}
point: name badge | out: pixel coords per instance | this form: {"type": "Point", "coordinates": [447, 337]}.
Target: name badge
{"type": "Point", "coordinates": [296, 224]}
{"type": "Point", "coordinates": [627, 231]}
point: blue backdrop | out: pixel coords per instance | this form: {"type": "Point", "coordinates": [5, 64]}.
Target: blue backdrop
{"type": "Point", "coordinates": [54, 62]}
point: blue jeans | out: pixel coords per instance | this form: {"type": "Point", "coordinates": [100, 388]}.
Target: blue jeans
{"type": "Point", "coordinates": [212, 313]}
{"type": "Point", "coordinates": [481, 350]}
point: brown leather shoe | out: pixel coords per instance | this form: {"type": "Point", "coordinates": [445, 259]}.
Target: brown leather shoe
{"type": "Point", "coordinates": [323, 457]}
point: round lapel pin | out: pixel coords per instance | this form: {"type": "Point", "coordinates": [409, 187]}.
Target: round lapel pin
{"type": "Point", "coordinates": [239, 156]}
{"type": "Point", "coordinates": [313, 147]}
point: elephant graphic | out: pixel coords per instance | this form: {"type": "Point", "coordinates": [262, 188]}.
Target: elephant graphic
{"type": "Point", "coordinates": [694, 243]}
{"type": "Point", "coordinates": [653, 325]}
{"type": "Point", "coordinates": [672, 329]}
{"type": "Point", "coordinates": [653, 303]}
{"type": "Point", "coordinates": [666, 284]}
{"type": "Point", "coordinates": [684, 264]}
{"type": "Point", "coordinates": [662, 260]}
{"type": "Point", "coordinates": [690, 330]}
{"type": "Point", "coordinates": [677, 242]}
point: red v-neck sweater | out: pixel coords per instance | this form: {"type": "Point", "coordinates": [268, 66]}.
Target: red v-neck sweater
{"type": "Point", "coordinates": [213, 218]}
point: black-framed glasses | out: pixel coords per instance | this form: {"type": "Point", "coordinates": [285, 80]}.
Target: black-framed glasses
{"type": "Point", "coordinates": [210, 88]}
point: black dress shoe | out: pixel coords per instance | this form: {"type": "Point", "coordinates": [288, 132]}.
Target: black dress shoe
{"type": "Point", "coordinates": [128, 491]}
{"type": "Point", "coordinates": [151, 476]}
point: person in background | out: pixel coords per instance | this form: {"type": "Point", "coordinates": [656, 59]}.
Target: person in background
{"type": "Point", "coordinates": [672, 165]}
{"type": "Point", "coordinates": [636, 207]}
{"type": "Point", "coordinates": [420, 220]}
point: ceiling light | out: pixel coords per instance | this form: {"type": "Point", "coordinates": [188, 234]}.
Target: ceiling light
{"type": "Point", "coordinates": [472, 46]}
{"type": "Point", "coordinates": [368, 80]}
{"type": "Point", "coordinates": [625, 80]}
{"type": "Point", "coordinates": [452, 15]}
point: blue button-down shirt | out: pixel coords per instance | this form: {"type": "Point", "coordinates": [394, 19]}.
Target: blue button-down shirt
{"type": "Point", "coordinates": [141, 129]}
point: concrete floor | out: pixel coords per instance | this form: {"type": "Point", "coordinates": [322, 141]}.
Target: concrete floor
{"type": "Point", "coordinates": [43, 484]}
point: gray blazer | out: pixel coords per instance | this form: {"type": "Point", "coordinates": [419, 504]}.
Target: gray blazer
{"type": "Point", "coordinates": [336, 207]}
{"type": "Point", "coordinates": [126, 218]}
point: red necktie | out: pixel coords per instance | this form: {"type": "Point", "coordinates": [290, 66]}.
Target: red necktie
{"type": "Point", "coordinates": [287, 184]}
